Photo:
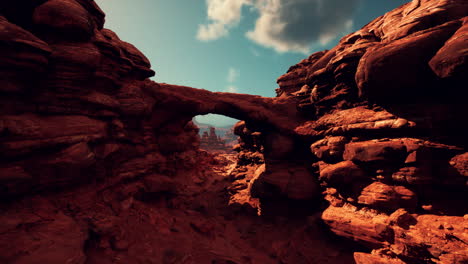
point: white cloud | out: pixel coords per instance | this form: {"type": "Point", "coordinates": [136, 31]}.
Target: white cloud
{"type": "Point", "coordinates": [211, 32]}
{"type": "Point", "coordinates": [231, 89]}
{"type": "Point", "coordinates": [326, 38]}
{"type": "Point", "coordinates": [283, 25]}
{"type": "Point", "coordinates": [293, 25]}
{"type": "Point", "coordinates": [222, 15]}
{"type": "Point", "coordinates": [233, 74]}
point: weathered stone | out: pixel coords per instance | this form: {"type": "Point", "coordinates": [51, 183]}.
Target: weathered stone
{"type": "Point", "coordinates": [451, 61]}
{"type": "Point", "coordinates": [402, 219]}
{"type": "Point", "coordinates": [447, 232]}
{"type": "Point", "coordinates": [400, 68]}
{"type": "Point", "coordinates": [382, 196]}
{"type": "Point", "coordinates": [82, 126]}
{"type": "Point", "coordinates": [65, 17]}
{"type": "Point", "coordinates": [23, 57]}
{"type": "Point", "coordinates": [364, 226]}
{"type": "Point", "coordinates": [294, 182]}
{"type": "Point", "coordinates": [391, 151]}
{"type": "Point", "coordinates": [30, 132]}
{"type": "Point", "coordinates": [460, 163]}
{"type": "Point", "coordinates": [365, 258]}
{"type": "Point", "coordinates": [342, 173]}
{"type": "Point", "coordinates": [329, 149]}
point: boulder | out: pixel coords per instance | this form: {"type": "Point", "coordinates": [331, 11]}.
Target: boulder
{"type": "Point", "coordinates": [342, 173]}
{"type": "Point", "coordinates": [67, 18]}
{"type": "Point", "coordinates": [376, 151]}
{"type": "Point", "coordinates": [363, 226]}
{"type": "Point", "coordinates": [329, 149]}
{"type": "Point", "coordinates": [460, 163]}
{"type": "Point", "coordinates": [400, 68]}
{"type": "Point", "coordinates": [451, 61]}
{"type": "Point", "coordinates": [384, 197]}
{"type": "Point", "coordinates": [288, 180]}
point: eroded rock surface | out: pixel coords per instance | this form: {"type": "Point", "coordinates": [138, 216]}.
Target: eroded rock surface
{"type": "Point", "coordinates": [101, 165]}
{"type": "Point", "coordinates": [385, 122]}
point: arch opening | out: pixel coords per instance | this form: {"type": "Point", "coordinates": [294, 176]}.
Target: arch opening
{"type": "Point", "coordinates": [216, 133]}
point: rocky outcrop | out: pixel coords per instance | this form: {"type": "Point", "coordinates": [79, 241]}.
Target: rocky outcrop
{"type": "Point", "coordinates": [384, 121]}
{"type": "Point", "coordinates": [399, 54]}
{"type": "Point", "coordinates": [210, 141]}
{"type": "Point", "coordinates": [81, 153]}
{"type": "Point", "coordinates": [401, 237]}
{"type": "Point", "coordinates": [99, 164]}
{"type": "Point", "coordinates": [404, 180]}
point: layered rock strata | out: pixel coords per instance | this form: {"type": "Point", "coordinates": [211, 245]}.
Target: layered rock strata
{"type": "Point", "coordinates": [101, 165]}
{"type": "Point", "coordinates": [387, 137]}
{"type": "Point", "coordinates": [210, 141]}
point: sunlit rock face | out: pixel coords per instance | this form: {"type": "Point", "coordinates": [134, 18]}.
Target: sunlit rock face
{"type": "Point", "coordinates": [410, 62]}
{"type": "Point", "coordinates": [99, 164]}
{"type": "Point", "coordinates": [386, 121]}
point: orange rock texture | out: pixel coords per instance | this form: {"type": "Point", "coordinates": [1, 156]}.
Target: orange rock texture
{"type": "Point", "coordinates": [360, 158]}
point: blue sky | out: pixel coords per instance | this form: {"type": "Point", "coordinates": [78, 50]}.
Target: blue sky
{"type": "Point", "coordinates": [234, 45]}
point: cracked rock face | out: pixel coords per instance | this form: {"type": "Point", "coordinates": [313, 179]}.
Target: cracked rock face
{"type": "Point", "coordinates": [385, 122]}
{"type": "Point", "coordinates": [99, 164]}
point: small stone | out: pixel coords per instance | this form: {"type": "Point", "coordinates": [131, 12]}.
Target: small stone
{"type": "Point", "coordinates": [427, 207]}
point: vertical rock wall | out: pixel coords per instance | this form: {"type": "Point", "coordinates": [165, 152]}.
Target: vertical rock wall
{"type": "Point", "coordinates": [97, 166]}
{"type": "Point", "coordinates": [78, 137]}
{"type": "Point", "coordinates": [387, 132]}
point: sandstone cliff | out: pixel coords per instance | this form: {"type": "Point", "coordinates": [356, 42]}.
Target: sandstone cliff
{"type": "Point", "coordinates": [361, 157]}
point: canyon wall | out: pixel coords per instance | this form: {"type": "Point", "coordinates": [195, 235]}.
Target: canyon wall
{"type": "Point", "coordinates": [365, 142]}
{"type": "Point", "coordinates": [83, 152]}
{"type": "Point", "coordinates": [99, 164]}
{"type": "Point", "coordinates": [388, 135]}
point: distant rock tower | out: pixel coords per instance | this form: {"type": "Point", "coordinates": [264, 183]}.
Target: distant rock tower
{"type": "Point", "coordinates": [212, 142]}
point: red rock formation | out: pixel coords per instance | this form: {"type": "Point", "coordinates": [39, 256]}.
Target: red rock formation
{"type": "Point", "coordinates": [397, 77]}
{"type": "Point", "coordinates": [97, 167]}
{"type": "Point", "coordinates": [99, 164]}
{"type": "Point", "coordinates": [210, 141]}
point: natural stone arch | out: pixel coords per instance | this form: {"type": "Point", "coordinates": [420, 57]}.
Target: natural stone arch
{"type": "Point", "coordinates": [279, 113]}
{"type": "Point", "coordinates": [287, 168]}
